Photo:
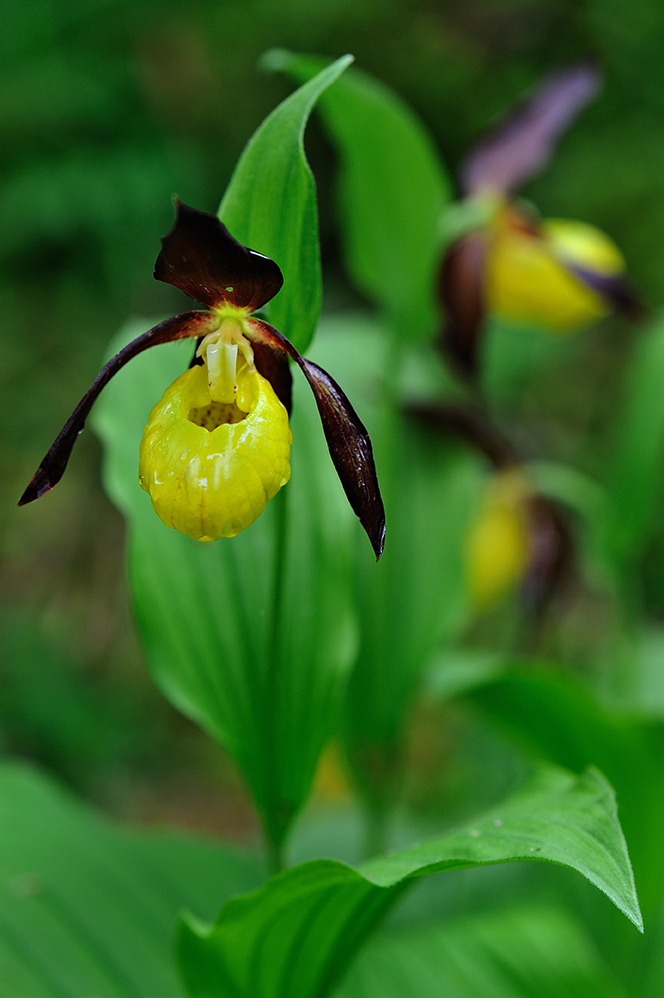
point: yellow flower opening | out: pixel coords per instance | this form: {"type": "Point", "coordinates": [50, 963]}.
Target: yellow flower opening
{"type": "Point", "coordinates": [210, 464]}
{"type": "Point", "coordinates": [527, 277]}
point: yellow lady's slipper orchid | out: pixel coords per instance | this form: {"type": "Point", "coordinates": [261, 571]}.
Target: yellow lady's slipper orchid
{"type": "Point", "coordinates": [556, 274]}
{"type": "Point", "coordinates": [216, 447]}
{"type": "Point", "coordinates": [530, 277]}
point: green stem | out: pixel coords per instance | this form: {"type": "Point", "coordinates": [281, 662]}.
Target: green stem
{"type": "Point", "coordinates": [273, 821]}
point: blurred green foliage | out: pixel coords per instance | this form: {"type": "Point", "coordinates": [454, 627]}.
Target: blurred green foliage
{"type": "Point", "coordinates": [107, 109]}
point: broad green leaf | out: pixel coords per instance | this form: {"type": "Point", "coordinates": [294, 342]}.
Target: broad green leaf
{"type": "Point", "coordinates": [256, 654]}
{"type": "Point", "coordinates": [89, 909]}
{"type": "Point", "coordinates": [392, 188]}
{"type": "Point", "coordinates": [531, 952]}
{"type": "Point", "coordinates": [556, 718]}
{"type": "Point", "coordinates": [297, 934]}
{"type": "Point", "coordinates": [270, 205]}
{"type": "Point", "coordinates": [417, 598]}
{"type": "Point", "coordinates": [635, 480]}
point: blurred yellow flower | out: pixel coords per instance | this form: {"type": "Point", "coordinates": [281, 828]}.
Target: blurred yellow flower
{"type": "Point", "coordinates": [498, 543]}
{"type": "Point", "coordinates": [530, 271]}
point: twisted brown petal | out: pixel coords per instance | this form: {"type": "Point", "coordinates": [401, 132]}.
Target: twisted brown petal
{"type": "Point", "coordinates": [201, 257]}
{"type": "Point", "coordinates": [273, 365]}
{"type": "Point", "coordinates": [347, 438]}
{"type": "Point", "coordinates": [462, 281]}
{"type": "Point", "coordinates": [51, 470]}
{"type": "Point", "coordinates": [521, 145]}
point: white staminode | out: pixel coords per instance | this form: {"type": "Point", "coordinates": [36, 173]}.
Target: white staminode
{"type": "Point", "coordinates": [221, 364]}
{"type": "Point", "coordinates": [219, 350]}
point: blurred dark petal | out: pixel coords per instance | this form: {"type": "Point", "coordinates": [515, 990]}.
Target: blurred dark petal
{"type": "Point", "coordinates": [462, 281]}
{"type": "Point", "coordinates": [201, 257]}
{"type": "Point", "coordinates": [521, 145]}
{"type": "Point", "coordinates": [470, 424]}
{"type": "Point", "coordinates": [551, 555]}
{"type": "Point", "coordinates": [52, 468]}
{"type": "Point", "coordinates": [615, 287]}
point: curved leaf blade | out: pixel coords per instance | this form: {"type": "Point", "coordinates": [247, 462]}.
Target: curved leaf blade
{"type": "Point", "coordinates": [298, 933]}
{"type": "Point", "coordinates": [556, 717]}
{"type": "Point", "coordinates": [270, 206]}
{"type": "Point", "coordinates": [392, 190]}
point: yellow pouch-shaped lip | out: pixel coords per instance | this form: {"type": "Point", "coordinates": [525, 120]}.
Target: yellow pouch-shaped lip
{"type": "Point", "coordinates": [528, 282]}
{"type": "Point", "coordinates": [213, 483]}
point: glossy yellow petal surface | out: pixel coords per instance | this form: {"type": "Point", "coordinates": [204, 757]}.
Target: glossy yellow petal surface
{"type": "Point", "coordinates": [211, 481]}
{"type": "Point", "coordinates": [527, 281]}
{"type": "Point", "coordinates": [497, 546]}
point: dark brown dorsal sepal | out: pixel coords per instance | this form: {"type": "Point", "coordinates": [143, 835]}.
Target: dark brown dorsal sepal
{"type": "Point", "coordinates": [201, 257]}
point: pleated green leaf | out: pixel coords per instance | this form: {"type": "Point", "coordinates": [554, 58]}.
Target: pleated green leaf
{"type": "Point", "coordinates": [297, 935]}
{"type": "Point", "coordinates": [270, 205]}
{"type": "Point", "coordinates": [532, 952]}
{"type": "Point", "coordinates": [255, 655]}
{"type": "Point", "coordinates": [87, 909]}
{"type": "Point", "coordinates": [392, 188]}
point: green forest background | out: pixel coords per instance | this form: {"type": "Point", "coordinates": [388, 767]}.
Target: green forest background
{"type": "Point", "coordinates": [107, 109]}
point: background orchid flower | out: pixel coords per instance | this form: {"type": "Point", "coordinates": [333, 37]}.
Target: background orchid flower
{"type": "Point", "coordinates": [557, 274]}
{"type": "Point", "coordinates": [518, 538]}
{"type": "Point", "coordinates": [216, 448]}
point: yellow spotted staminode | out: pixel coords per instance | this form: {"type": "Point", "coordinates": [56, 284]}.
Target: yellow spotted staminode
{"type": "Point", "coordinates": [216, 447]}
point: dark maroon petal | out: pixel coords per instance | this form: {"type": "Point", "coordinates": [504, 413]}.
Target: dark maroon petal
{"type": "Point", "coordinates": [273, 365]}
{"type": "Point", "coordinates": [200, 256]}
{"type": "Point", "coordinates": [614, 287]}
{"type": "Point", "coordinates": [521, 145]}
{"type": "Point", "coordinates": [347, 438]}
{"type": "Point", "coordinates": [52, 468]}
{"type": "Point", "coordinates": [462, 283]}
